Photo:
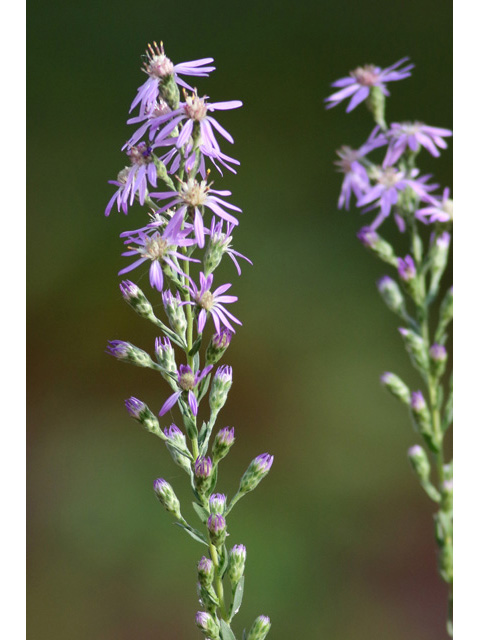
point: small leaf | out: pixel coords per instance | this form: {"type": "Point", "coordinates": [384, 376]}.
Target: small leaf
{"type": "Point", "coordinates": [237, 597]}
{"type": "Point", "coordinates": [223, 562]}
{"type": "Point", "coordinates": [196, 346]}
{"type": "Point", "coordinates": [201, 512]}
{"type": "Point", "coordinates": [226, 632]}
{"type": "Point", "coordinates": [196, 535]}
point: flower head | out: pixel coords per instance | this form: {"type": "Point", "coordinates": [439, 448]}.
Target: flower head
{"type": "Point", "coordinates": [413, 135]}
{"type": "Point", "coordinates": [357, 86]}
{"type": "Point", "coordinates": [406, 268]}
{"type": "Point", "coordinates": [187, 381]}
{"type": "Point", "coordinates": [438, 210]}
{"type": "Point", "coordinates": [212, 302]}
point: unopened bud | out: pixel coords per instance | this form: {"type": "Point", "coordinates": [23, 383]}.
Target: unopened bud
{"type": "Point", "coordinates": [236, 564]}
{"type": "Point", "coordinates": [260, 628]}
{"type": "Point", "coordinates": [416, 348]}
{"type": "Point", "coordinates": [206, 572]}
{"type": "Point", "coordinates": [165, 355]}
{"type": "Point", "coordinates": [221, 383]}
{"type": "Point", "coordinates": [140, 412]}
{"type": "Point", "coordinates": [217, 528]}
{"type": "Point", "coordinates": [207, 625]}
{"type": "Point", "coordinates": [376, 105]}
{"type": "Point", "coordinates": [438, 359]}
{"type": "Point", "coordinates": [391, 294]}
{"type": "Point", "coordinates": [167, 497]}
{"type": "Point", "coordinates": [217, 502]}
{"type": "Point", "coordinates": [175, 313]}
{"type": "Point", "coordinates": [419, 461]}
{"type": "Point", "coordinates": [422, 418]}
{"type": "Point", "coordinates": [203, 471]}
{"type": "Point", "coordinates": [176, 444]}
{"type": "Point", "coordinates": [257, 470]}
{"type": "Point", "coordinates": [222, 443]}
{"type": "Point", "coordinates": [127, 352]}
{"type": "Point", "coordinates": [396, 386]}
{"type": "Point", "coordinates": [134, 296]}
{"type": "Point", "coordinates": [447, 495]}
{"type": "Point", "coordinates": [218, 345]}
{"type": "Point", "coordinates": [380, 247]}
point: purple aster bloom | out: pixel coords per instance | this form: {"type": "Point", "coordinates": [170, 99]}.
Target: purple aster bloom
{"type": "Point", "coordinates": [134, 180]}
{"type": "Point", "coordinates": [187, 381]}
{"type": "Point", "coordinates": [212, 302]}
{"type": "Point", "coordinates": [158, 247]}
{"type": "Point", "coordinates": [406, 268]}
{"type": "Point", "coordinates": [153, 111]}
{"type": "Point", "coordinates": [357, 86]}
{"type": "Point", "coordinates": [194, 195]}
{"type": "Point", "coordinates": [195, 111]}
{"type": "Point", "coordinates": [414, 135]}
{"type": "Point", "coordinates": [437, 210]}
{"type": "Point", "coordinates": [159, 68]}
{"type": "Point", "coordinates": [384, 194]}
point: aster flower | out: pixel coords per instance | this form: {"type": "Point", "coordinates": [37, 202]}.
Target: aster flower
{"type": "Point", "coordinates": [195, 111]}
{"type": "Point", "coordinates": [153, 111]}
{"type": "Point", "coordinates": [219, 244]}
{"type": "Point", "coordinates": [159, 69]}
{"type": "Point", "coordinates": [358, 85]}
{"type": "Point", "coordinates": [191, 196]}
{"type": "Point", "coordinates": [414, 135]}
{"type": "Point", "coordinates": [390, 182]}
{"type": "Point", "coordinates": [212, 302]}
{"type": "Point", "coordinates": [134, 180]}
{"type": "Point", "coordinates": [158, 247]}
{"type": "Point", "coordinates": [187, 381]}
{"type": "Point", "coordinates": [406, 268]}
{"type": "Point", "coordinates": [437, 210]}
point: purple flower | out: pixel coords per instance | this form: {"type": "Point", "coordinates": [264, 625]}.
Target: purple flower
{"type": "Point", "coordinates": [194, 195]}
{"type": "Point", "coordinates": [187, 381]}
{"type": "Point", "coordinates": [437, 210]}
{"type": "Point", "coordinates": [158, 247]}
{"type": "Point", "coordinates": [217, 503]}
{"type": "Point", "coordinates": [384, 194]}
{"type": "Point", "coordinates": [262, 463]}
{"type": "Point", "coordinates": [368, 237]}
{"type": "Point", "coordinates": [212, 302]}
{"type": "Point", "coordinates": [153, 111]}
{"type": "Point", "coordinates": [220, 243]}
{"type": "Point", "coordinates": [406, 268]}
{"type": "Point", "coordinates": [357, 86]}
{"type": "Point", "coordinates": [216, 524]}
{"type": "Point", "coordinates": [159, 68]}
{"type": "Point", "coordinates": [414, 135]}
{"type": "Point", "coordinates": [225, 436]}
{"type": "Point", "coordinates": [355, 176]}
{"type": "Point", "coordinates": [438, 353]}
{"type": "Point", "coordinates": [135, 407]}
{"type": "Point", "coordinates": [195, 111]}
{"type": "Point", "coordinates": [134, 180]}
{"type": "Point", "coordinates": [418, 401]}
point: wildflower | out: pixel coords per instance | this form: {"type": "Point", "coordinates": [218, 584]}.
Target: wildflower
{"type": "Point", "coordinates": [414, 135]}
{"type": "Point", "coordinates": [194, 195]}
{"type": "Point", "coordinates": [159, 69]}
{"type": "Point", "coordinates": [257, 470]}
{"type": "Point", "coordinates": [362, 79]}
{"type": "Point", "coordinates": [223, 443]}
{"type": "Point", "coordinates": [167, 497]}
{"type": "Point", "coordinates": [437, 210]}
{"type": "Point", "coordinates": [187, 381]}
{"type": "Point", "coordinates": [158, 247]}
{"type": "Point", "coordinates": [212, 302]}
{"type": "Point", "coordinates": [406, 268]}
{"type": "Point", "coordinates": [219, 244]}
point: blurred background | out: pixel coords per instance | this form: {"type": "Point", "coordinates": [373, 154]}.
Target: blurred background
{"type": "Point", "coordinates": [339, 536]}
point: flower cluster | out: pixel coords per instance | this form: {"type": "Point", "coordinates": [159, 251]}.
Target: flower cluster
{"type": "Point", "coordinates": [190, 226]}
{"type": "Point", "coordinates": [393, 185]}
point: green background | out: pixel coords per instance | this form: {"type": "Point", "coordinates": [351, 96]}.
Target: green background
{"type": "Point", "coordinates": [339, 536]}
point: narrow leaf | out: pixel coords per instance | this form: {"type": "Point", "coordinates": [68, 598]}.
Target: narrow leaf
{"type": "Point", "coordinates": [225, 631]}
{"type": "Point", "coordinates": [201, 512]}
{"type": "Point", "coordinates": [237, 597]}
{"type": "Point", "coordinates": [196, 535]}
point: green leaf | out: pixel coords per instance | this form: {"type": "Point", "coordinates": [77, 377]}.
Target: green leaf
{"type": "Point", "coordinates": [201, 512]}
{"type": "Point", "coordinates": [237, 597]}
{"type": "Point", "coordinates": [196, 345]}
{"type": "Point", "coordinates": [225, 631]}
{"type": "Point", "coordinates": [196, 535]}
{"type": "Point", "coordinates": [223, 562]}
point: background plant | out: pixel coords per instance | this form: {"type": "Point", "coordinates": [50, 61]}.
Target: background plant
{"type": "Point", "coordinates": [395, 189]}
{"type": "Point", "coordinates": [190, 225]}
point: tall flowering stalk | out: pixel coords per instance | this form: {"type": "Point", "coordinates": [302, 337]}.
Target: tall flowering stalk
{"type": "Point", "coordinates": [181, 243]}
{"type": "Point", "coordinates": [391, 186]}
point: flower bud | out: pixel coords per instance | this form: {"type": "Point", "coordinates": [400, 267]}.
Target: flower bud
{"type": "Point", "coordinates": [422, 418]}
{"type": "Point", "coordinates": [236, 564]}
{"type": "Point", "coordinates": [257, 470]}
{"type": "Point", "coordinates": [217, 528]}
{"type": "Point", "coordinates": [203, 469]}
{"type": "Point", "coordinates": [214, 252]}
{"type": "Point", "coordinates": [176, 443]}
{"type": "Point", "coordinates": [218, 345]}
{"type": "Point", "coordinates": [260, 628]}
{"type": "Point", "coordinates": [134, 296]}
{"type": "Point", "coordinates": [380, 247]}
{"type": "Point", "coordinates": [222, 443]}
{"type": "Point", "coordinates": [206, 572]}
{"type": "Point", "coordinates": [446, 309]}
{"type": "Point", "coordinates": [169, 91]}
{"type": "Point", "coordinates": [396, 386]}
{"type": "Point", "coordinates": [408, 274]}
{"type": "Point", "coordinates": [126, 352]}
{"type": "Point", "coordinates": [438, 359]}
{"type": "Point", "coordinates": [376, 105]}
{"type": "Point", "coordinates": [165, 355]}
{"type": "Point", "coordinates": [416, 348]}
{"type": "Point", "coordinates": [439, 258]}
{"type": "Point", "coordinates": [217, 503]}
{"type": "Point", "coordinates": [447, 496]}
{"type": "Point", "coordinates": [419, 461]}
{"type": "Point", "coordinates": [207, 625]}
{"type": "Point", "coordinates": [391, 294]}
{"type": "Point", "coordinates": [167, 497]}
{"type": "Point", "coordinates": [221, 383]}
{"type": "Point", "coordinates": [175, 313]}
{"type": "Point", "coordinates": [140, 412]}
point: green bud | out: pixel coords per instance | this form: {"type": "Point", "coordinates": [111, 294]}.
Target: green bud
{"type": "Point", "coordinates": [175, 313]}
{"type": "Point", "coordinates": [140, 412]}
{"type": "Point", "coordinates": [416, 349]}
{"type": "Point", "coordinates": [127, 352]}
{"type": "Point", "coordinates": [421, 466]}
{"type": "Point", "coordinates": [380, 247]}
{"type": "Point", "coordinates": [207, 625]}
{"type": "Point", "coordinates": [396, 386]}
{"type": "Point", "coordinates": [218, 345]}
{"type": "Point", "coordinates": [392, 295]}
{"type": "Point", "coordinates": [167, 497]}
{"type": "Point", "coordinates": [206, 572]}
{"type": "Point", "coordinates": [222, 443]}
{"type": "Point", "coordinates": [134, 296]}
{"type": "Point", "coordinates": [162, 173]}
{"type": "Point", "coordinates": [221, 383]}
{"type": "Point", "coordinates": [260, 628]}
{"type": "Point", "coordinates": [169, 92]}
{"type": "Point", "coordinates": [447, 496]}
{"type": "Point", "coordinates": [257, 470]}
{"type": "Point", "coordinates": [236, 564]}
{"type": "Point", "coordinates": [376, 104]}
{"type": "Point", "coordinates": [445, 315]}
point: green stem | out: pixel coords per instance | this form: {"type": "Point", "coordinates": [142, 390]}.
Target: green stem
{"type": "Point", "coordinates": [218, 582]}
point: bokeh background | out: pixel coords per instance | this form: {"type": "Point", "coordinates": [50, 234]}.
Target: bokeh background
{"type": "Point", "coordinates": [339, 536]}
